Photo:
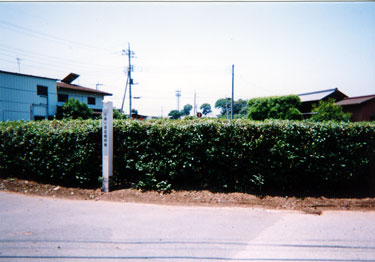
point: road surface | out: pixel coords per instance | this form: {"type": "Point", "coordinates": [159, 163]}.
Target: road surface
{"type": "Point", "coordinates": [47, 229]}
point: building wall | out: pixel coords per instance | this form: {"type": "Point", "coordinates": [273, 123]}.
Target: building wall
{"type": "Point", "coordinates": [83, 97]}
{"type": "Point", "coordinates": [362, 112]}
{"type": "Point", "coordinates": [19, 99]}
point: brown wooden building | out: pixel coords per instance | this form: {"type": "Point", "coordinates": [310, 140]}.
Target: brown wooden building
{"type": "Point", "coordinates": [309, 99]}
{"type": "Point", "coordinates": [362, 108]}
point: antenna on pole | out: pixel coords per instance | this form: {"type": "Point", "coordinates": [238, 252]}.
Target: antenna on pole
{"type": "Point", "coordinates": [19, 64]}
{"type": "Point", "coordinates": [178, 95]}
{"type": "Point", "coordinates": [97, 85]}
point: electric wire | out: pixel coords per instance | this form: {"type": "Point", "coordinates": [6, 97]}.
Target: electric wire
{"type": "Point", "coordinates": [59, 60]}
{"type": "Point", "coordinates": [37, 34]}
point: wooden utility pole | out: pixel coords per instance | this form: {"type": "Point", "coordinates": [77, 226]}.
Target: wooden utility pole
{"type": "Point", "coordinates": [130, 55]}
{"type": "Point", "coordinates": [232, 106]}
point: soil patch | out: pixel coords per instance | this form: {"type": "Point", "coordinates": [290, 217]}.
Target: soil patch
{"type": "Point", "coordinates": [312, 205]}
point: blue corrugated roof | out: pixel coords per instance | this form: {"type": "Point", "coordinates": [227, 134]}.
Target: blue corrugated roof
{"type": "Point", "coordinates": [13, 73]}
{"type": "Point", "coordinates": [317, 95]}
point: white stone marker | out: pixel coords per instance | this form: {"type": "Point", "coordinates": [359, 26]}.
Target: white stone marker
{"type": "Point", "coordinates": [107, 143]}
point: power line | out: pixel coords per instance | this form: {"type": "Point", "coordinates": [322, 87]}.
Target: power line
{"type": "Point", "coordinates": [8, 61]}
{"type": "Point", "coordinates": [253, 84]}
{"type": "Point", "coordinates": [37, 34]}
{"type": "Point", "coordinates": [7, 51]}
{"type": "Point", "coordinates": [32, 64]}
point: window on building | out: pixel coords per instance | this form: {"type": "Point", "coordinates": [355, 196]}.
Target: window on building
{"type": "Point", "coordinates": [42, 90]}
{"type": "Point", "coordinates": [91, 100]}
{"type": "Point", "coordinates": [62, 97]}
{"type": "Point", "coordinates": [37, 118]}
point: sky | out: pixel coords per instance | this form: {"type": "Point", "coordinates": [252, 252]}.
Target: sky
{"type": "Point", "coordinates": [277, 48]}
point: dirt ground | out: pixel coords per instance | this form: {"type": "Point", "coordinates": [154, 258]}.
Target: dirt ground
{"type": "Point", "coordinates": [311, 205]}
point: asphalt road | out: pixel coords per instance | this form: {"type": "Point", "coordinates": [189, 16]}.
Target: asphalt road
{"type": "Point", "coordinates": [47, 229]}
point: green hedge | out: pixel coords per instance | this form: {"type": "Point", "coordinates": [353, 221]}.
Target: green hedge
{"type": "Point", "coordinates": [275, 107]}
{"type": "Point", "coordinates": [216, 154]}
{"type": "Point", "coordinates": [66, 152]}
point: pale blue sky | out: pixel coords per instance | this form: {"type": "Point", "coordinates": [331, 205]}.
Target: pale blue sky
{"type": "Point", "coordinates": [277, 48]}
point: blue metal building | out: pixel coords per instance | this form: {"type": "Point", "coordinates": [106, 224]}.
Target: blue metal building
{"type": "Point", "coordinates": [26, 97]}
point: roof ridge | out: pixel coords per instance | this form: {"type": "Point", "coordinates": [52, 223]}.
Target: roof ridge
{"type": "Point", "coordinates": [317, 92]}
{"type": "Point", "coordinates": [15, 73]}
{"type": "Point", "coordinates": [83, 88]}
{"type": "Point", "coordinates": [356, 97]}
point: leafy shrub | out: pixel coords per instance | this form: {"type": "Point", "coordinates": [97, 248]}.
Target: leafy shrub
{"type": "Point", "coordinates": [73, 109]}
{"type": "Point", "coordinates": [277, 107]}
{"type": "Point", "coordinates": [329, 111]}
{"type": "Point", "coordinates": [215, 154]}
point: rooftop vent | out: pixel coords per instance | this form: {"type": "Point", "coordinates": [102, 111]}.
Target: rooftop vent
{"type": "Point", "coordinates": [70, 78]}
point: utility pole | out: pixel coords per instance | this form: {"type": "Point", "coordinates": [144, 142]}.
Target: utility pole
{"type": "Point", "coordinates": [126, 88]}
{"type": "Point", "coordinates": [178, 94]}
{"type": "Point", "coordinates": [19, 64]}
{"type": "Point", "coordinates": [130, 55]}
{"type": "Point", "coordinates": [226, 107]}
{"type": "Point", "coordinates": [195, 102]}
{"type": "Point", "coordinates": [232, 106]}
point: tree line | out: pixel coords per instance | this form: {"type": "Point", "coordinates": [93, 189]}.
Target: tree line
{"type": "Point", "coordinates": [278, 107]}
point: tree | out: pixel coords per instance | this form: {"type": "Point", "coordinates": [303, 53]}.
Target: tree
{"type": "Point", "coordinates": [328, 110]}
{"type": "Point", "coordinates": [240, 108]}
{"type": "Point", "coordinates": [244, 110]}
{"type": "Point", "coordinates": [225, 105]}
{"type": "Point", "coordinates": [277, 107]}
{"type": "Point", "coordinates": [175, 114]}
{"type": "Point", "coordinates": [186, 110]}
{"type": "Point", "coordinates": [206, 108]}
{"type": "Point", "coordinates": [117, 114]}
{"type": "Point", "coordinates": [74, 109]}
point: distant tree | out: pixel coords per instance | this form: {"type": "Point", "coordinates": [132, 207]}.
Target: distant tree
{"type": "Point", "coordinates": [74, 109]}
{"type": "Point", "coordinates": [328, 110]}
{"type": "Point", "coordinates": [244, 110]}
{"type": "Point", "coordinates": [225, 104]}
{"type": "Point", "coordinates": [206, 108]}
{"type": "Point", "coordinates": [240, 108]}
{"type": "Point", "coordinates": [175, 114]}
{"type": "Point", "coordinates": [186, 110]}
{"type": "Point", "coordinates": [277, 107]}
{"type": "Point", "coordinates": [134, 111]}
{"type": "Point", "coordinates": [117, 114]}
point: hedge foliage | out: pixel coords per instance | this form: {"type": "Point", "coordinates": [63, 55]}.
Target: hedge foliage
{"type": "Point", "coordinates": [275, 107]}
{"type": "Point", "coordinates": [215, 154]}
